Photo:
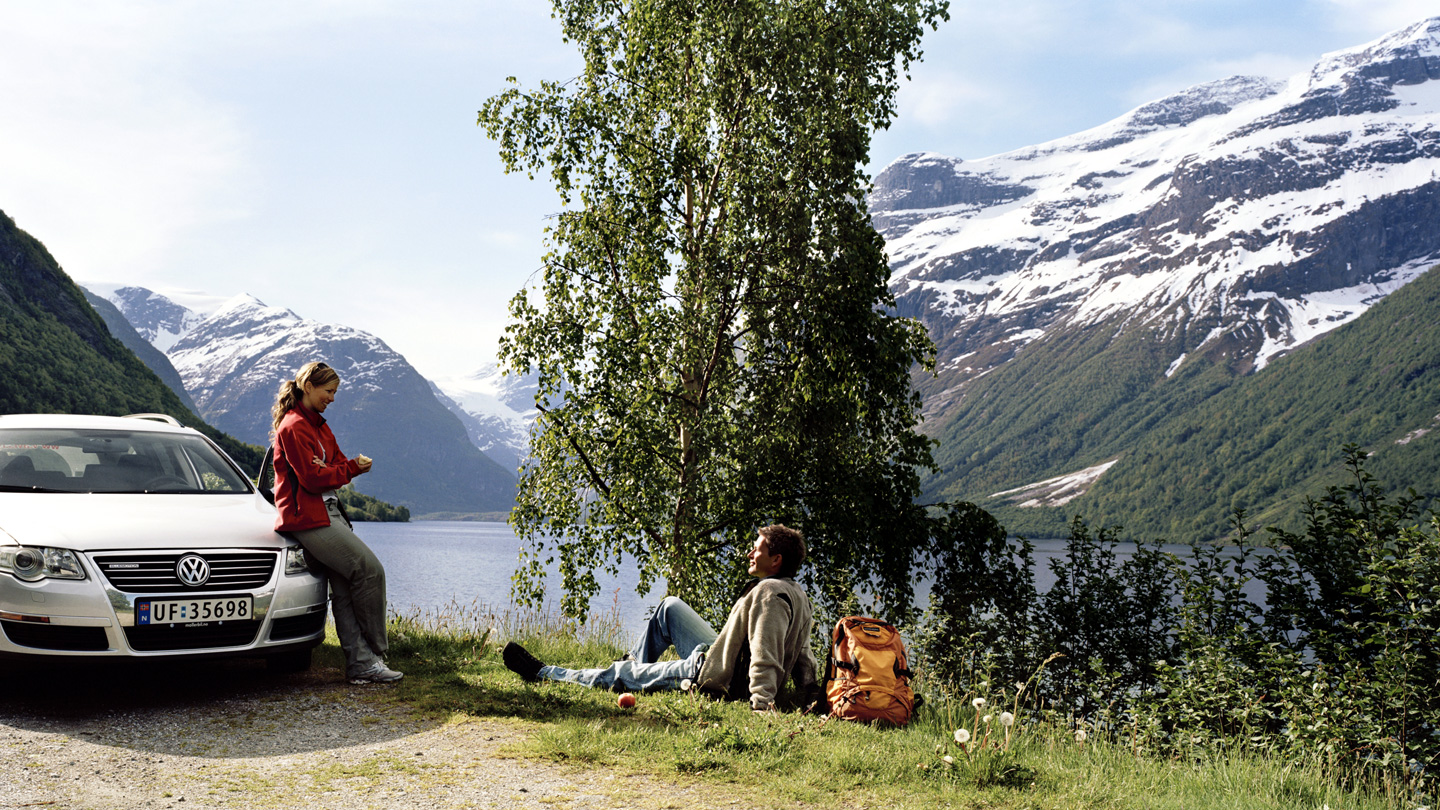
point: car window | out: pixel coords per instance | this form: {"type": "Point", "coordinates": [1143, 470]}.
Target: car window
{"type": "Point", "coordinates": [68, 460]}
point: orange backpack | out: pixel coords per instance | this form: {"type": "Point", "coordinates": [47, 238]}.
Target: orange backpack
{"type": "Point", "coordinates": [868, 675]}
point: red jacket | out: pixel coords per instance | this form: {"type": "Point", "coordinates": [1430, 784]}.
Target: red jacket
{"type": "Point", "coordinates": [301, 438]}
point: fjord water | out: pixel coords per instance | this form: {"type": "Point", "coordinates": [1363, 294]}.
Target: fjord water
{"type": "Point", "coordinates": [430, 563]}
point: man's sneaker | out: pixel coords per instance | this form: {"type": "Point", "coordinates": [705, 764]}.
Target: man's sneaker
{"type": "Point", "coordinates": [377, 674]}
{"type": "Point", "coordinates": [521, 662]}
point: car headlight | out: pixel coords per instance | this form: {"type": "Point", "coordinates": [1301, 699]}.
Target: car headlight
{"type": "Point", "coordinates": [31, 563]}
{"type": "Point", "coordinates": [295, 562]}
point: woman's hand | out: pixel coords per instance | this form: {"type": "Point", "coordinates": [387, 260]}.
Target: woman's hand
{"type": "Point", "coordinates": [364, 462]}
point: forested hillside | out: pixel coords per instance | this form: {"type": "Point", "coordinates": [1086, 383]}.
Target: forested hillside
{"type": "Point", "coordinates": [56, 355]}
{"type": "Point", "coordinates": [1189, 449]}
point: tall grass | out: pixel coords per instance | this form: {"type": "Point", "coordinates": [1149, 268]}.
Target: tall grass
{"type": "Point", "coordinates": [451, 657]}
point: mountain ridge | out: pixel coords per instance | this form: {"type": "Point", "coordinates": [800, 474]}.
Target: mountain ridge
{"type": "Point", "coordinates": [1137, 268]}
{"type": "Point", "coordinates": [233, 357]}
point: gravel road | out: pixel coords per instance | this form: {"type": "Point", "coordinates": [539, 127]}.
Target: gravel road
{"type": "Point", "coordinates": [229, 735]}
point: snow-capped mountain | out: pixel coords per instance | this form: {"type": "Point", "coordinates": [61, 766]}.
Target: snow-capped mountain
{"type": "Point", "coordinates": [1233, 222]}
{"type": "Point", "coordinates": [1246, 212]}
{"type": "Point", "coordinates": [245, 347]}
{"type": "Point", "coordinates": [497, 410]}
{"type": "Point", "coordinates": [233, 358]}
{"type": "Point", "coordinates": [159, 319]}
{"type": "Point", "coordinates": [153, 358]}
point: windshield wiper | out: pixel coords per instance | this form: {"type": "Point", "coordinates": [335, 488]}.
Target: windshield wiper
{"type": "Point", "coordinates": [21, 488]}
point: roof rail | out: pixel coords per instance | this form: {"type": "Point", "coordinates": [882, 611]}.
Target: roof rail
{"type": "Point", "coordinates": [156, 417]}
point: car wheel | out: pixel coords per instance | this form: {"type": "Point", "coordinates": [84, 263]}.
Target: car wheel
{"type": "Point", "coordinates": [288, 662]}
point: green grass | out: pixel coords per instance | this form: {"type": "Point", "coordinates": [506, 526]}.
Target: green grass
{"type": "Point", "coordinates": [453, 672]}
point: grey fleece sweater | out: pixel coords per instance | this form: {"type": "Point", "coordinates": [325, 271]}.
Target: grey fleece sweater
{"type": "Point", "coordinates": [773, 621]}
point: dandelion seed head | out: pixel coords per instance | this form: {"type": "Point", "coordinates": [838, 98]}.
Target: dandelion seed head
{"type": "Point", "coordinates": [978, 702]}
{"type": "Point", "coordinates": [962, 735]}
{"type": "Point", "coordinates": [987, 718]}
{"type": "Point", "coordinates": [949, 760]}
{"type": "Point", "coordinates": [685, 685]}
{"type": "Point", "coordinates": [1080, 735]}
{"type": "Point", "coordinates": [1007, 719]}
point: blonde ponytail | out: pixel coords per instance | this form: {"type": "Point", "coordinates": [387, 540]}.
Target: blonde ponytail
{"type": "Point", "coordinates": [288, 398]}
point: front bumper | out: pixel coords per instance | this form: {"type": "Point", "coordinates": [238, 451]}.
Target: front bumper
{"type": "Point", "coordinates": [93, 618]}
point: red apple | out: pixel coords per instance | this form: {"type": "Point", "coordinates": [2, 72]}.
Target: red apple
{"type": "Point", "coordinates": [625, 701]}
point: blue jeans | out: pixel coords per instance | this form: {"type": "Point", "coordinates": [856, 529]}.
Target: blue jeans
{"type": "Point", "coordinates": [674, 623]}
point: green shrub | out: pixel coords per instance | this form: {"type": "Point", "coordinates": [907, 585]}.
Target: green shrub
{"type": "Point", "coordinates": [1336, 670]}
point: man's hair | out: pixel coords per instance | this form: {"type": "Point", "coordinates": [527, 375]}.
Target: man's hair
{"type": "Point", "coordinates": [789, 544]}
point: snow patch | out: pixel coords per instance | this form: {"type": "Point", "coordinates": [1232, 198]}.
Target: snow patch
{"type": "Point", "coordinates": [1175, 366]}
{"type": "Point", "coordinates": [1057, 491]}
{"type": "Point", "coordinates": [1415, 434]}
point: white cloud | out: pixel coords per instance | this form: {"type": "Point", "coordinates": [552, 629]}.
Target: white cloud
{"type": "Point", "coordinates": [937, 98]}
{"type": "Point", "coordinates": [108, 151]}
{"type": "Point", "coordinates": [1380, 15]}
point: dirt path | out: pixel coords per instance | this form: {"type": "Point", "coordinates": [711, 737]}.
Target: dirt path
{"type": "Point", "coordinates": [230, 736]}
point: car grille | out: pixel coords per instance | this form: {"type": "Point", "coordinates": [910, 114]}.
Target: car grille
{"type": "Point", "coordinates": [151, 638]}
{"type": "Point", "coordinates": [151, 573]}
{"type": "Point", "coordinates": [55, 637]}
{"type": "Point", "coordinates": [297, 626]}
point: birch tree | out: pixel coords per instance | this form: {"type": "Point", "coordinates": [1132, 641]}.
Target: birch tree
{"type": "Point", "coordinates": [714, 337]}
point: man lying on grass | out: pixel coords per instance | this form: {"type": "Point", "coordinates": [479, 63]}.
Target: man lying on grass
{"type": "Point", "coordinates": [766, 639]}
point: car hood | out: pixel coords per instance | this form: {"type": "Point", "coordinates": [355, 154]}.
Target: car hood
{"type": "Point", "coordinates": [105, 522]}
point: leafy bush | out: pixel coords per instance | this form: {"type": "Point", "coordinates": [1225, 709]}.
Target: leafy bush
{"type": "Point", "coordinates": [1341, 664]}
{"type": "Point", "coordinates": [1103, 623]}
{"type": "Point", "coordinates": [1335, 668]}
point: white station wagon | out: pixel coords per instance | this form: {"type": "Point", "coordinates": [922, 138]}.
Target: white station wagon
{"type": "Point", "coordinates": [134, 537]}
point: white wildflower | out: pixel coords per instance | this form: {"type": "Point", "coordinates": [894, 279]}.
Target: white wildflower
{"type": "Point", "coordinates": [978, 703]}
{"type": "Point", "coordinates": [685, 685]}
{"type": "Point", "coordinates": [987, 718]}
{"type": "Point", "coordinates": [949, 760]}
{"type": "Point", "coordinates": [1080, 735]}
{"type": "Point", "coordinates": [1007, 719]}
{"type": "Point", "coordinates": [962, 735]}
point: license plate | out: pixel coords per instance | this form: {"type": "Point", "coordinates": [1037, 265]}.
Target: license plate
{"type": "Point", "coordinates": [190, 611]}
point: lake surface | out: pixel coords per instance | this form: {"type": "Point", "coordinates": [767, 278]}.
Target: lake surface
{"type": "Point", "coordinates": [431, 563]}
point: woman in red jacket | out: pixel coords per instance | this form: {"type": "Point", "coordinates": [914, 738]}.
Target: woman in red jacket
{"type": "Point", "coordinates": [309, 469]}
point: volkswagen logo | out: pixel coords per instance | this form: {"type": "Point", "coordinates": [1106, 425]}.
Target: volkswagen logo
{"type": "Point", "coordinates": [193, 570]}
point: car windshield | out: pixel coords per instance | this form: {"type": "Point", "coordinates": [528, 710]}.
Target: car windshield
{"type": "Point", "coordinates": [68, 460]}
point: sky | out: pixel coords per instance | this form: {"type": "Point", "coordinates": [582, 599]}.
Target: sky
{"type": "Point", "coordinates": [323, 156]}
